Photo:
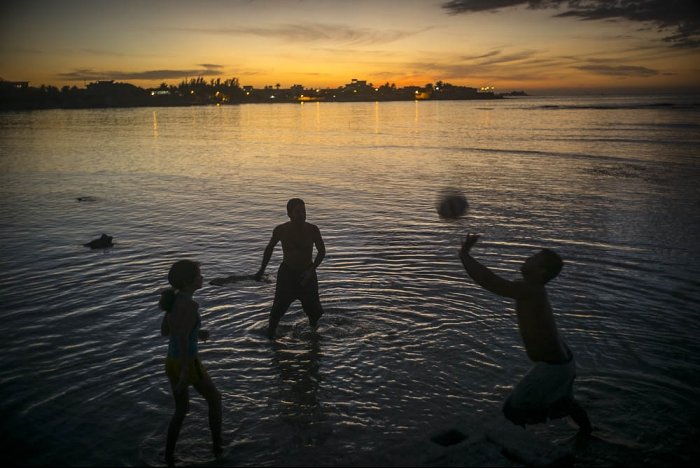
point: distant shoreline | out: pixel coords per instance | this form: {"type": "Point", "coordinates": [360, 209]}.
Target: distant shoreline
{"type": "Point", "coordinates": [16, 95]}
{"type": "Point", "coordinates": [156, 105]}
{"type": "Point", "coordinates": [4, 108]}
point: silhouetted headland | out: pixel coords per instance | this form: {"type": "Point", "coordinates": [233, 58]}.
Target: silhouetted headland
{"type": "Point", "coordinates": [18, 95]}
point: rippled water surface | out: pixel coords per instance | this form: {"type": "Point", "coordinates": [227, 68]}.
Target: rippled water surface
{"type": "Point", "coordinates": [407, 338]}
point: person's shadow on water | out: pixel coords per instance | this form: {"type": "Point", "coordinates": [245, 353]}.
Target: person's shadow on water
{"type": "Point", "coordinates": [299, 382]}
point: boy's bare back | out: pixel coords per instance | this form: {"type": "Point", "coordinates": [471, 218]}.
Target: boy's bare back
{"type": "Point", "coordinates": [537, 327]}
{"type": "Point", "coordinates": [535, 319]}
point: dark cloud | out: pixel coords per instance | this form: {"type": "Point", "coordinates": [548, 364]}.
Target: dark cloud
{"type": "Point", "coordinates": [525, 66]}
{"type": "Point", "coordinates": [500, 59]}
{"type": "Point", "coordinates": [353, 52]}
{"type": "Point", "coordinates": [88, 74]}
{"type": "Point", "coordinates": [496, 65]}
{"type": "Point", "coordinates": [681, 17]}
{"type": "Point", "coordinates": [471, 6]}
{"type": "Point", "coordinates": [618, 70]}
{"type": "Point", "coordinates": [312, 32]}
{"type": "Point", "coordinates": [101, 52]}
{"type": "Point", "coordinates": [476, 57]}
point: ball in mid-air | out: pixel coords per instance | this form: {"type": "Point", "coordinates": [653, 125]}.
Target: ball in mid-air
{"type": "Point", "coordinates": [452, 205]}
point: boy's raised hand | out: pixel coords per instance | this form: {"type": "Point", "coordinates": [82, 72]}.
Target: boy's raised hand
{"type": "Point", "coordinates": [468, 243]}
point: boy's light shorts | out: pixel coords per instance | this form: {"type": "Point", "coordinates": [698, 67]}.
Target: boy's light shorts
{"type": "Point", "coordinates": [544, 392]}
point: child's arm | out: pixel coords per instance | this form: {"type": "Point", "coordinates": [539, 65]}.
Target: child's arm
{"type": "Point", "coordinates": [165, 326]}
{"type": "Point", "coordinates": [183, 320]}
{"type": "Point", "coordinates": [485, 277]}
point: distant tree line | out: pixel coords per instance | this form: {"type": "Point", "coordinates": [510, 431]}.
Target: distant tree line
{"type": "Point", "coordinates": [198, 91]}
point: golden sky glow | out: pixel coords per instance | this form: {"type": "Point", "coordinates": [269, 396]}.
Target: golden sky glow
{"type": "Point", "coordinates": [327, 43]}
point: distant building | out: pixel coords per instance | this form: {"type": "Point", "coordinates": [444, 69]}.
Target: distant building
{"type": "Point", "coordinates": [15, 84]}
{"type": "Point", "coordinates": [356, 84]}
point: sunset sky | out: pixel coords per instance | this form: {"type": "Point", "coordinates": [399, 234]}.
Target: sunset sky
{"type": "Point", "coordinates": [538, 46]}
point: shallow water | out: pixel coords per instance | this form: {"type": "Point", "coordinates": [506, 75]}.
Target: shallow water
{"type": "Point", "coordinates": [407, 338]}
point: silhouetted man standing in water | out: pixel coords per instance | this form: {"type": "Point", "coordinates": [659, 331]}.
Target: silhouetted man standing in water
{"type": "Point", "coordinates": [296, 277]}
{"type": "Point", "coordinates": [547, 390]}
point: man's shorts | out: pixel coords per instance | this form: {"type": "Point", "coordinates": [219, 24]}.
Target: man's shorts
{"type": "Point", "coordinates": [289, 288]}
{"type": "Point", "coordinates": [544, 393]}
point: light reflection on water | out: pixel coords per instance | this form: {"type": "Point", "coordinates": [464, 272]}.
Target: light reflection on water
{"type": "Point", "coordinates": [406, 338]}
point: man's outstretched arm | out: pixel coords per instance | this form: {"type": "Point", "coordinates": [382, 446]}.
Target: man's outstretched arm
{"type": "Point", "coordinates": [485, 277]}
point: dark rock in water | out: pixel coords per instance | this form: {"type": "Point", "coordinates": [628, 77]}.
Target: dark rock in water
{"type": "Point", "coordinates": [87, 199]}
{"type": "Point", "coordinates": [103, 242]}
{"type": "Point", "coordinates": [447, 438]}
{"type": "Point", "coordinates": [238, 278]}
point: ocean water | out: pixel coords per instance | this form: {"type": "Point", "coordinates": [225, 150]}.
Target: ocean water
{"type": "Point", "coordinates": [407, 338]}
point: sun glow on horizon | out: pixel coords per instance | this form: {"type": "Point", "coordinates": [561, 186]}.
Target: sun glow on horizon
{"type": "Point", "coordinates": [326, 44]}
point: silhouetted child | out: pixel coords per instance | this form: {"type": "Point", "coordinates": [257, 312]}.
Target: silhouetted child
{"type": "Point", "coordinates": [182, 366]}
{"type": "Point", "coordinates": [296, 277]}
{"type": "Point", "coordinates": [546, 391]}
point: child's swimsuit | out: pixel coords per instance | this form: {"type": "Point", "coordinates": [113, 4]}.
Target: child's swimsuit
{"type": "Point", "coordinates": [173, 363]}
